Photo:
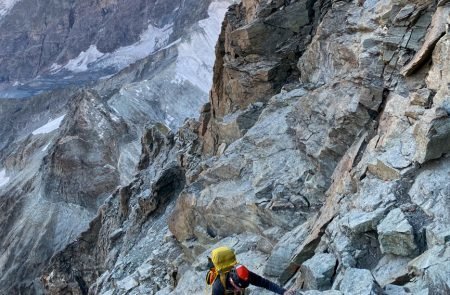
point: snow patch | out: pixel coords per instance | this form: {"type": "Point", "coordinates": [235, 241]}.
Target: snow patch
{"type": "Point", "coordinates": [50, 126]}
{"type": "Point", "coordinates": [196, 56]}
{"type": "Point", "coordinates": [54, 68]}
{"type": "Point", "coordinates": [46, 147]}
{"type": "Point", "coordinates": [169, 120]}
{"type": "Point", "coordinates": [81, 63]}
{"type": "Point", "coordinates": [151, 40]}
{"type": "Point", "coordinates": [3, 179]}
{"type": "Point", "coordinates": [6, 6]}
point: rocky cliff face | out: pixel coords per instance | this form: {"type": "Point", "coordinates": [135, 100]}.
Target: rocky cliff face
{"type": "Point", "coordinates": [65, 151]}
{"type": "Point", "coordinates": [321, 158]}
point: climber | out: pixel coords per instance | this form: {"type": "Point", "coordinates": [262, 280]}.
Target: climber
{"type": "Point", "coordinates": [227, 276]}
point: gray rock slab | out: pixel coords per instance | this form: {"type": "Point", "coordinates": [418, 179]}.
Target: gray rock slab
{"type": "Point", "coordinates": [360, 222]}
{"type": "Point", "coordinates": [395, 234]}
{"type": "Point", "coordinates": [317, 272]}
{"type": "Point", "coordinates": [431, 189]}
{"type": "Point", "coordinates": [284, 251]}
{"type": "Point", "coordinates": [358, 282]}
{"type": "Point", "coordinates": [389, 268]}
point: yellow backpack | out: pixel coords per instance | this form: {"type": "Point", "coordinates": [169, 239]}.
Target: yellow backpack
{"type": "Point", "coordinates": [223, 259]}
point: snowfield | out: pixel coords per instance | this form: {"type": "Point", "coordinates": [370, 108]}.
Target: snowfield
{"type": "Point", "coordinates": [196, 56]}
{"type": "Point", "coordinates": [6, 6]}
{"type": "Point", "coordinates": [151, 40]}
{"type": "Point", "coordinates": [3, 179]}
{"type": "Point", "coordinates": [50, 126]}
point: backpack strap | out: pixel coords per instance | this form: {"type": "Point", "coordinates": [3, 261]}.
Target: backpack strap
{"type": "Point", "coordinates": [223, 279]}
{"type": "Point", "coordinates": [211, 276]}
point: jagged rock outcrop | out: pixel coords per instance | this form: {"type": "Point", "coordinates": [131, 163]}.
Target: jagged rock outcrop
{"type": "Point", "coordinates": [53, 206]}
{"type": "Point", "coordinates": [257, 51]}
{"type": "Point", "coordinates": [130, 224]}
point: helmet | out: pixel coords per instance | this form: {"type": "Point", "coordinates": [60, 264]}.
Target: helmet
{"type": "Point", "coordinates": [240, 276]}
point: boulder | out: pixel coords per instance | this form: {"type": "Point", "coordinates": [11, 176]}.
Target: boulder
{"type": "Point", "coordinates": [433, 266]}
{"type": "Point", "coordinates": [396, 235]}
{"type": "Point", "coordinates": [317, 273]}
{"type": "Point", "coordinates": [432, 135]}
{"type": "Point", "coordinates": [389, 268]}
{"type": "Point", "coordinates": [431, 188]}
{"type": "Point", "coordinates": [359, 222]}
{"type": "Point", "coordinates": [284, 250]}
{"type": "Point", "coordinates": [420, 97]}
{"type": "Point", "coordinates": [358, 282]}
{"type": "Point", "coordinates": [438, 233]}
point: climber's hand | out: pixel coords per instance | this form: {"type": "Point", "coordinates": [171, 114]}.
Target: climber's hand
{"type": "Point", "coordinates": [290, 292]}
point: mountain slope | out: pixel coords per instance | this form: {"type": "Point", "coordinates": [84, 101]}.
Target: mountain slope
{"type": "Point", "coordinates": [65, 150]}
{"type": "Point", "coordinates": [338, 181]}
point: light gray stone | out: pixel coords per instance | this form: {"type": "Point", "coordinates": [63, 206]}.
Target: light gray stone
{"type": "Point", "coordinates": [360, 222]}
{"type": "Point", "coordinates": [432, 135]}
{"type": "Point", "coordinates": [317, 272]}
{"type": "Point", "coordinates": [434, 268]}
{"type": "Point", "coordinates": [435, 32]}
{"type": "Point", "coordinates": [358, 282]}
{"type": "Point", "coordinates": [127, 283]}
{"type": "Point", "coordinates": [284, 250]}
{"type": "Point", "coordinates": [431, 189]}
{"type": "Point", "coordinates": [389, 268]}
{"type": "Point", "coordinates": [404, 13]}
{"type": "Point", "coordinates": [438, 233]}
{"type": "Point", "coordinates": [395, 234]}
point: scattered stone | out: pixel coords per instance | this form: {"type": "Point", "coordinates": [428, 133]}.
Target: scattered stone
{"type": "Point", "coordinates": [359, 282]}
{"type": "Point", "coordinates": [405, 12]}
{"type": "Point", "coordinates": [317, 272]}
{"type": "Point", "coordinates": [438, 233]}
{"type": "Point", "coordinates": [127, 283]}
{"type": "Point", "coordinates": [420, 97]}
{"type": "Point", "coordinates": [395, 234]}
{"type": "Point", "coordinates": [432, 135]}
{"type": "Point", "coordinates": [383, 170]}
{"type": "Point", "coordinates": [360, 222]}
{"type": "Point", "coordinates": [389, 268]}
